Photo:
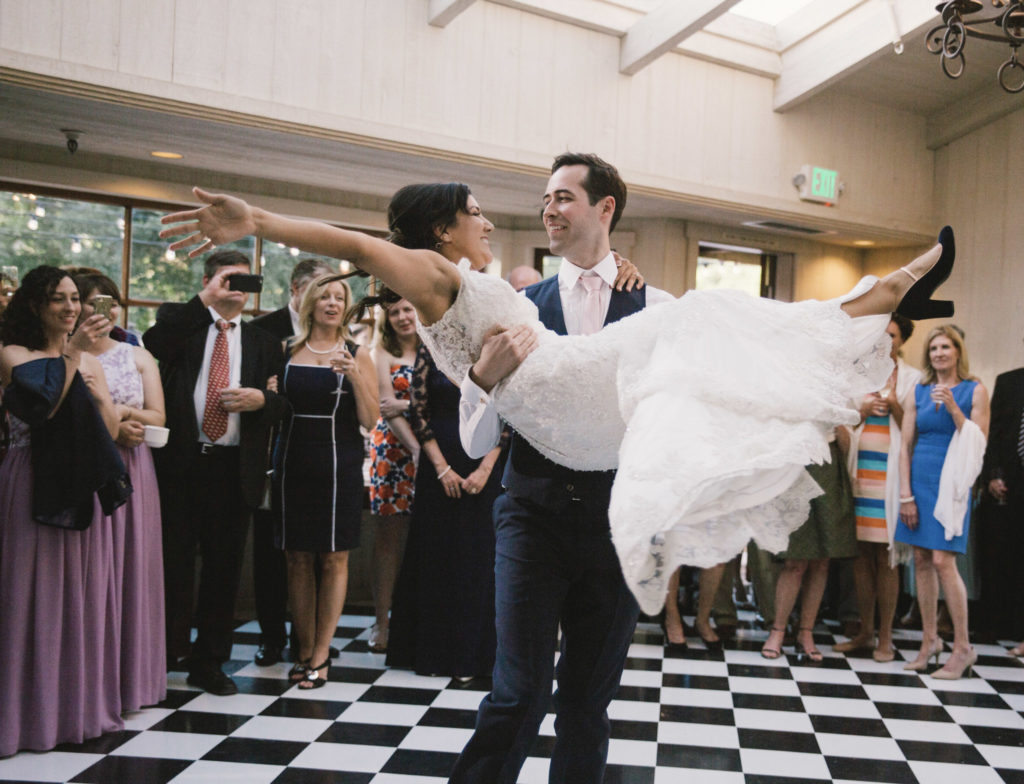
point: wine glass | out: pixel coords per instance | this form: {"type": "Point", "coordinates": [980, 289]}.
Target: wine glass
{"type": "Point", "coordinates": [337, 358]}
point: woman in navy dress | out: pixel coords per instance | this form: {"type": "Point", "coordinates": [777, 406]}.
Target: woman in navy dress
{"type": "Point", "coordinates": [318, 469]}
{"type": "Point", "coordinates": [948, 397]}
{"type": "Point", "coordinates": [442, 620]}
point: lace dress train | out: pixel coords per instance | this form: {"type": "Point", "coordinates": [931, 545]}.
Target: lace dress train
{"type": "Point", "coordinates": [709, 406]}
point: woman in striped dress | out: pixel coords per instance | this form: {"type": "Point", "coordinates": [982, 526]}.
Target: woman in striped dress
{"type": "Point", "coordinates": [874, 468]}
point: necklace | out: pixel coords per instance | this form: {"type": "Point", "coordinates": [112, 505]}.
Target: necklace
{"type": "Point", "coordinates": [325, 351]}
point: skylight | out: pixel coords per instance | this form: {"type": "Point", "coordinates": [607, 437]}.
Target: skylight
{"type": "Point", "coordinates": [769, 11]}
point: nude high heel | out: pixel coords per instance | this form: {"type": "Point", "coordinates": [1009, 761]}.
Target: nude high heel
{"type": "Point", "coordinates": [919, 664]}
{"type": "Point", "coordinates": [949, 673]}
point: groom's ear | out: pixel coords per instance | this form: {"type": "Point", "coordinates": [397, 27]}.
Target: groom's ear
{"type": "Point", "coordinates": [608, 207]}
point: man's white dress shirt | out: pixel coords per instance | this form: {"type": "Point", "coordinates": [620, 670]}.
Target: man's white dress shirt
{"type": "Point", "coordinates": [479, 424]}
{"type": "Point", "coordinates": [234, 336]}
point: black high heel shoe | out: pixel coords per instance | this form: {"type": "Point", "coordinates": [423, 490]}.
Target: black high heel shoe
{"type": "Point", "coordinates": [673, 646]}
{"type": "Point", "coordinates": [917, 302]}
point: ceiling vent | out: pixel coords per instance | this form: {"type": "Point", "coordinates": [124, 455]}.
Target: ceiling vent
{"type": "Point", "coordinates": [786, 228]}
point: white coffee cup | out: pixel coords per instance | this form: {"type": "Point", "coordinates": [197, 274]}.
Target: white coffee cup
{"type": "Point", "coordinates": [155, 436]}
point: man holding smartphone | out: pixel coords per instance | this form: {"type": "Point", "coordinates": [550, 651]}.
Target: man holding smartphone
{"type": "Point", "coordinates": [214, 370]}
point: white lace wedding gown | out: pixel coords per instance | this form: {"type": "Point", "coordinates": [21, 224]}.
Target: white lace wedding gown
{"type": "Point", "coordinates": [709, 406]}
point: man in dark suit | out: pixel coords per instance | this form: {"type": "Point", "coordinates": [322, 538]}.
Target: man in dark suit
{"type": "Point", "coordinates": [554, 560]}
{"type": "Point", "coordinates": [269, 569]}
{"type": "Point", "coordinates": [1001, 533]}
{"type": "Point", "coordinates": [214, 370]}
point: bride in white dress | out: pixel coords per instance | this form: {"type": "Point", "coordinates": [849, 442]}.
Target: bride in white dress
{"type": "Point", "coordinates": [710, 405]}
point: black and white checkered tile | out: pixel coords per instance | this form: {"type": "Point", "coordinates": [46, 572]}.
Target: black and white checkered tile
{"type": "Point", "coordinates": [725, 717]}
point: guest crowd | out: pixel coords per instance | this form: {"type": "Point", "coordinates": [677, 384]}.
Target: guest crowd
{"type": "Point", "coordinates": [124, 459]}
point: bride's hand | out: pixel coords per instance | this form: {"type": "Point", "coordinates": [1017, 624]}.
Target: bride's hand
{"type": "Point", "coordinates": [224, 219]}
{"type": "Point", "coordinates": [628, 275]}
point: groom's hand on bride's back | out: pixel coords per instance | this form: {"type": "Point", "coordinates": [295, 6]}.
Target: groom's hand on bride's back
{"type": "Point", "coordinates": [502, 351]}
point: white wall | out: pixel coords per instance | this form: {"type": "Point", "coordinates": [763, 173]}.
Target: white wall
{"type": "Point", "coordinates": [978, 190]}
{"type": "Point", "coordinates": [498, 82]}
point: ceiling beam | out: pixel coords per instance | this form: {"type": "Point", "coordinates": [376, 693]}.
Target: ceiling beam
{"type": "Point", "coordinates": [848, 43]}
{"type": "Point", "coordinates": [442, 12]}
{"type": "Point", "coordinates": [663, 28]}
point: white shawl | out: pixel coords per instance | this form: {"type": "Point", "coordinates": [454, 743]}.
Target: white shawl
{"type": "Point", "coordinates": [959, 470]}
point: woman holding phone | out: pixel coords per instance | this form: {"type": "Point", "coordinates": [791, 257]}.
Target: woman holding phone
{"type": "Point", "coordinates": [318, 469]}
{"type": "Point", "coordinates": [134, 381]}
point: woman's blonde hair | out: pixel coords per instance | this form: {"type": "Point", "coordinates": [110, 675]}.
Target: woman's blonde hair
{"type": "Point", "coordinates": [309, 299]}
{"type": "Point", "coordinates": [963, 366]}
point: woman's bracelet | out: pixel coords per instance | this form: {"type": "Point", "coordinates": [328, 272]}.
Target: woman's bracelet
{"type": "Point", "coordinates": [447, 468]}
{"type": "Point", "coordinates": [906, 500]}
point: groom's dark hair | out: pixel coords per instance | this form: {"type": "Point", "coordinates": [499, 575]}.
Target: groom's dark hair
{"type": "Point", "coordinates": [602, 180]}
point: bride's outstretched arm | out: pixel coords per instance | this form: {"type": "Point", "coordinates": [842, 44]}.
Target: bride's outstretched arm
{"type": "Point", "coordinates": [426, 279]}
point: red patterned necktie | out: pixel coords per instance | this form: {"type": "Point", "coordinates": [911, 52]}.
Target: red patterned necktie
{"type": "Point", "coordinates": [215, 418]}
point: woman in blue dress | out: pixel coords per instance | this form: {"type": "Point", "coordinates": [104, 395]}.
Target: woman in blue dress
{"type": "Point", "coordinates": [318, 469]}
{"type": "Point", "coordinates": [948, 398]}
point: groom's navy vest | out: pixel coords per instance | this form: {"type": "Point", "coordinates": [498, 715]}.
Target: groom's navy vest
{"type": "Point", "coordinates": [530, 475]}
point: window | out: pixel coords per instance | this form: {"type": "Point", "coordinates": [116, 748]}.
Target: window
{"type": "Point", "coordinates": [731, 267]}
{"type": "Point", "coordinates": [120, 237]}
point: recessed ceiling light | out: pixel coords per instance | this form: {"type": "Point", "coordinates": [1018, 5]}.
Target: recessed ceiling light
{"type": "Point", "coordinates": [864, 243]}
{"type": "Point", "coordinates": [162, 154]}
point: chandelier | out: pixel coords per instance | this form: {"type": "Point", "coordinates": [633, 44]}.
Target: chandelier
{"type": "Point", "coordinates": [963, 19]}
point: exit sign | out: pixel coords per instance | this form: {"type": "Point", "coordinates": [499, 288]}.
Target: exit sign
{"type": "Point", "coordinates": [819, 184]}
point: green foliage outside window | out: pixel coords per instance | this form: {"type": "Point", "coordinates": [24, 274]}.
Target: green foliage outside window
{"type": "Point", "coordinates": [39, 229]}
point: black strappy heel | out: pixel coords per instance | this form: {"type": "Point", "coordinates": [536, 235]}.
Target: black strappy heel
{"type": "Point", "coordinates": [917, 303]}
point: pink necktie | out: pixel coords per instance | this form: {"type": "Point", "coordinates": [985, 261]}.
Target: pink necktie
{"type": "Point", "coordinates": [215, 418]}
{"type": "Point", "coordinates": [592, 319]}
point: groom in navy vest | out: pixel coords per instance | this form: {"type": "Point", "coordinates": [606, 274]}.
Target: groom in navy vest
{"type": "Point", "coordinates": [554, 560]}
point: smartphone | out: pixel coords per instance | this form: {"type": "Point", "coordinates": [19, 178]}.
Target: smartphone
{"type": "Point", "coordinates": [102, 304]}
{"type": "Point", "coordinates": [250, 283]}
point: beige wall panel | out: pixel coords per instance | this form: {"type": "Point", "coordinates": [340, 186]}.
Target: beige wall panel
{"type": "Point", "coordinates": [200, 43]}
{"type": "Point", "coordinates": [539, 87]}
{"type": "Point", "coordinates": [691, 124]}
{"type": "Point", "coordinates": [253, 56]}
{"type": "Point", "coordinates": [145, 46]}
{"type": "Point", "coordinates": [499, 104]}
{"type": "Point", "coordinates": [336, 63]}
{"type": "Point", "coordinates": [90, 33]}
{"type": "Point", "coordinates": [31, 26]}
{"type": "Point", "coordinates": [827, 273]}
{"type": "Point", "coordinates": [661, 152]}
{"type": "Point", "coordinates": [977, 188]}
{"type": "Point", "coordinates": [880, 154]}
{"type": "Point", "coordinates": [293, 70]}
{"type": "Point", "coordinates": [384, 59]}
{"type": "Point", "coordinates": [571, 123]}
{"type": "Point", "coordinates": [506, 84]}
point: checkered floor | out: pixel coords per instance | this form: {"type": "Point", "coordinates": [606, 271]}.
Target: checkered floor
{"type": "Point", "coordinates": [687, 716]}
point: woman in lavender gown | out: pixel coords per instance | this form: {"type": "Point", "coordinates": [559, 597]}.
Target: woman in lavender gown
{"type": "Point", "coordinates": [60, 612]}
{"type": "Point", "coordinates": [134, 382]}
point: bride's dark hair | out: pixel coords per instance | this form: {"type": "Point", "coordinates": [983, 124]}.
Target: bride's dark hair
{"type": "Point", "coordinates": [417, 213]}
